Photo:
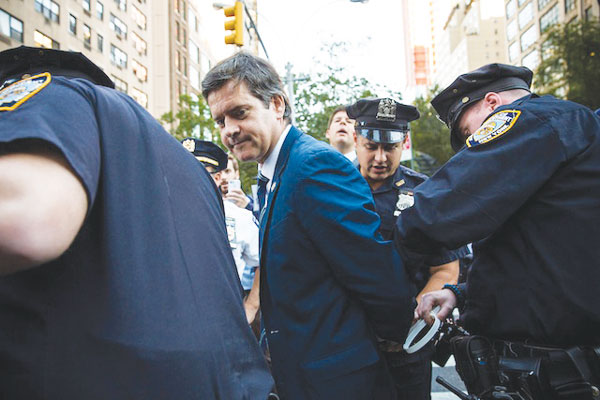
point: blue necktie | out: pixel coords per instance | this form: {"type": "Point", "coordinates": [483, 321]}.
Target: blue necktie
{"type": "Point", "coordinates": [261, 192]}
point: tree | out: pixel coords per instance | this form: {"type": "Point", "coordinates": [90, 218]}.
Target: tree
{"type": "Point", "coordinates": [327, 88]}
{"type": "Point", "coordinates": [430, 137]}
{"type": "Point", "coordinates": [570, 66]}
{"type": "Point", "coordinates": [192, 119]}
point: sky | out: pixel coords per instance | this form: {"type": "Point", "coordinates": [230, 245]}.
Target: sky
{"type": "Point", "coordinates": [295, 31]}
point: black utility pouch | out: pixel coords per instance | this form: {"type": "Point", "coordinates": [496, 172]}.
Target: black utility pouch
{"type": "Point", "coordinates": [476, 363]}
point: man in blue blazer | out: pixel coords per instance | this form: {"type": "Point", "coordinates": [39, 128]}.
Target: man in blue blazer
{"type": "Point", "coordinates": [330, 286]}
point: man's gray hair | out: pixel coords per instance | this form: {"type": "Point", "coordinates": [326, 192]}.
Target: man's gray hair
{"type": "Point", "coordinates": [259, 75]}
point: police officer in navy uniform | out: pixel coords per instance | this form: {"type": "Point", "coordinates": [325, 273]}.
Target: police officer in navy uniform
{"type": "Point", "coordinates": [382, 127]}
{"type": "Point", "coordinates": [524, 186]}
{"type": "Point", "coordinates": [117, 277]}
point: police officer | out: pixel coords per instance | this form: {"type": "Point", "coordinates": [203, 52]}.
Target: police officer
{"type": "Point", "coordinates": [116, 283]}
{"type": "Point", "coordinates": [382, 127]}
{"type": "Point", "coordinates": [524, 186]}
{"type": "Point", "coordinates": [242, 232]}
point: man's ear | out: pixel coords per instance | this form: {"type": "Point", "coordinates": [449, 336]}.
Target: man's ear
{"type": "Point", "coordinates": [492, 100]}
{"type": "Point", "coordinates": [278, 105]}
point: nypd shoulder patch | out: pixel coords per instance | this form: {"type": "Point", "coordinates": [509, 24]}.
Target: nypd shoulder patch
{"type": "Point", "coordinates": [11, 97]}
{"type": "Point", "coordinates": [495, 126]}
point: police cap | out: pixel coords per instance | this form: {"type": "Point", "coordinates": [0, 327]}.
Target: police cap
{"type": "Point", "coordinates": [382, 120]}
{"type": "Point", "coordinates": [207, 153]}
{"type": "Point", "coordinates": [473, 86]}
{"type": "Point", "coordinates": [20, 60]}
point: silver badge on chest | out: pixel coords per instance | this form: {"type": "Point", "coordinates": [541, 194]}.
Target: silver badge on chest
{"type": "Point", "coordinates": [405, 200]}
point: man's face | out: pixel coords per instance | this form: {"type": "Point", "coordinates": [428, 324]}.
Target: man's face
{"type": "Point", "coordinates": [341, 131]}
{"type": "Point", "coordinates": [472, 117]}
{"type": "Point", "coordinates": [378, 161]}
{"type": "Point", "coordinates": [215, 175]}
{"type": "Point", "coordinates": [248, 128]}
{"type": "Point", "coordinates": [228, 174]}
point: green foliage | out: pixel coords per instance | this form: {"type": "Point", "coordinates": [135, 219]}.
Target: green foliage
{"type": "Point", "coordinates": [570, 66]}
{"type": "Point", "coordinates": [327, 88]}
{"type": "Point", "coordinates": [429, 135]}
{"type": "Point", "coordinates": [193, 116]}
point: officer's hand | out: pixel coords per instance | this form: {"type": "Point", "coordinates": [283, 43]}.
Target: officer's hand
{"type": "Point", "coordinates": [251, 311]}
{"type": "Point", "coordinates": [237, 197]}
{"type": "Point", "coordinates": [443, 298]}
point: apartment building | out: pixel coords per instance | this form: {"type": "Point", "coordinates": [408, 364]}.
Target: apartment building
{"type": "Point", "coordinates": [153, 50]}
{"type": "Point", "coordinates": [472, 35]}
{"type": "Point", "coordinates": [114, 34]}
{"type": "Point", "coordinates": [527, 20]}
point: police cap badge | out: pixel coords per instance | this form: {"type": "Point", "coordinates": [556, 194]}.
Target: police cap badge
{"type": "Point", "coordinates": [382, 120]}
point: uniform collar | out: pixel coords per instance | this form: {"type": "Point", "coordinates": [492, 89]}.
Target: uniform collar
{"type": "Point", "coordinates": [392, 182]}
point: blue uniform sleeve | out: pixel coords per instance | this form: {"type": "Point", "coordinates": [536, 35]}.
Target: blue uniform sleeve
{"type": "Point", "coordinates": [338, 214]}
{"type": "Point", "coordinates": [62, 115]}
{"type": "Point", "coordinates": [480, 187]}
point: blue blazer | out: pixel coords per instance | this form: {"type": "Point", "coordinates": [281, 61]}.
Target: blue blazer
{"type": "Point", "coordinates": [329, 284]}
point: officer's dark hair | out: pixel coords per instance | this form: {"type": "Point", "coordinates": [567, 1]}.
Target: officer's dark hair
{"type": "Point", "coordinates": [258, 74]}
{"type": "Point", "coordinates": [335, 111]}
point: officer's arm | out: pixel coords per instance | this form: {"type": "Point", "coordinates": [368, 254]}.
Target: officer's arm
{"type": "Point", "coordinates": [439, 276]}
{"type": "Point", "coordinates": [42, 206]}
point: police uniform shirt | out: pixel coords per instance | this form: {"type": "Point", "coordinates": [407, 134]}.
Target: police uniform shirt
{"type": "Point", "coordinates": [243, 238]}
{"type": "Point", "coordinates": [527, 187]}
{"type": "Point", "coordinates": [145, 303]}
{"type": "Point", "coordinates": [391, 199]}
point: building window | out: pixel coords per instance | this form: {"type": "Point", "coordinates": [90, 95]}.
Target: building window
{"type": "Point", "coordinates": [139, 44]}
{"type": "Point", "coordinates": [10, 26]}
{"type": "Point", "coordinates": [87, 36]}
{"type": "Point", "coordinates": [118, 27]}
{"type": "Point", "coordinates": [531, 60]}
{"type": "Point", "coordinates": [194, 52]}
{"type": "Point", "coordinates": [511, 30]}
{"type": "Point", "coordinates": [542, 4]}
{"type": "Point", "coordinates": [194, 78]}
{"type": "Point", "coordinates": [120, 84]}
{"type": "Point", "coordinates": [122, 4]}
{"type": "Point", "coordinates": [521, 2]}
{"type": "Point", "coordinates": [513, 51]}
{"type": "Point", "coordinates": [99, 10]}
{"type": "Point", "coordinates": [140, 97]}
{"type": "Point", "coordinates": [140, 18]}
{"type": "Point", "coordinates": [100, 43]}
{"type": "Point", "coordinates": [140, 71]}
{"type": "Point", "coordinates": [118, 57]}
{"type": "Point", "coordinates": [569, 5]}
{"type": "Point", "coordinates": [511, 8]}
{"type": "Point", "coordinates": [183, 9]}
{"type": "Point", "coordinates": [528, 38]}
{"type": "Point", "coordinates": [587, 14]}
{"type": "Point", "coordinates": [87, 6]}
{"type": "Point", "coordinates": [525, 15]}
{"type": "Point", "coordinates": [184, 34]}
{"type": "Point", "coordinates": [49, 8]}
{"type": "Point", "coordinates": [549, 19]}
{"type": "Point", "coordinates": [185, 72]}
{"type": "Point", "coordinates": [177, 61]}
{"type": "Point", "coordinates": [193, 22]}
{"type": "Point", "coordinates": [72, 24]}
{"type": "Point", "coordinates": [177, 31]}
{"type": "Point", "coordinates": [41, 40]}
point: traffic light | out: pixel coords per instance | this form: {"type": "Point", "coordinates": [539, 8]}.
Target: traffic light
{"type": "Point", "coordinates": [235, 25]}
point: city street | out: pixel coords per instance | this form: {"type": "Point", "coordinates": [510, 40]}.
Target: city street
{"type": "Point", "coordinates": [449, 373]}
